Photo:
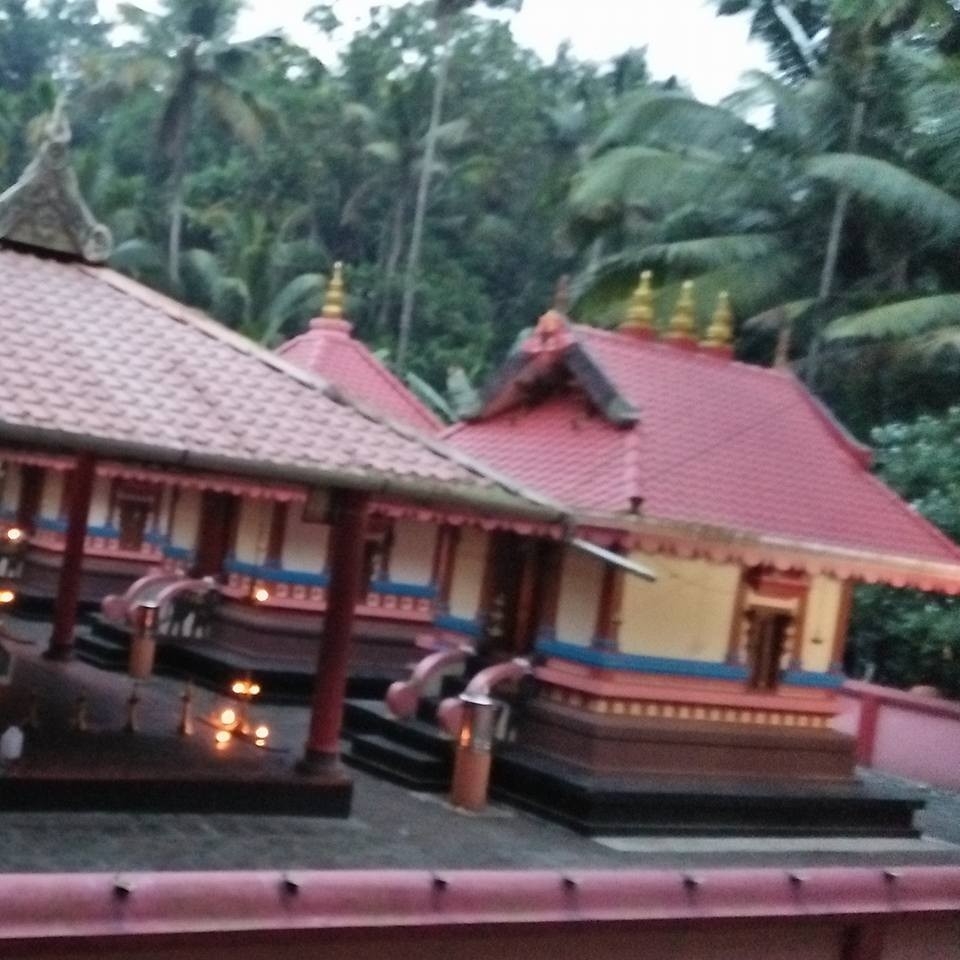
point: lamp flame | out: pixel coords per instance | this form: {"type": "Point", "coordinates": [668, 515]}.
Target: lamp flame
{"type": "Point", "coordinates": [7, 596]}
{"type": "Point", "coordinates": [228, 717]}
{"type": "Point", "coordinates": [14, 534]}
{"type": "Point", "coordinates": [261, 594]}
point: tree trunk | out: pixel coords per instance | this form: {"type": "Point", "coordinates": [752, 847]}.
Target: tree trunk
{"type": "Point", "coordinates": [394, 250]}
{"type": "Point", "coordinates": [176, 223]}
{"type": "Point", "coordinates": [412, 271]}
{"type": "Point", "coordinates": [828, 274]}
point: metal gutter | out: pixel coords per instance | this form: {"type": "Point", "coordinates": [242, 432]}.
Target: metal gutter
{"type": "Point", "coordinates": [46, 907]}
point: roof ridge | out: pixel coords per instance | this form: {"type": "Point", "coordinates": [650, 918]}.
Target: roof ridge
{"type": "Point", "coordinates": [709, 356]}
{"type": "Point", "coordinates": [318, 337]}
{"type": "Point", "coordinates": [217, 331]}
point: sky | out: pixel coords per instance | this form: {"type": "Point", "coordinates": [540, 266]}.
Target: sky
{"type": "Point", "coordinates": [683, 37]}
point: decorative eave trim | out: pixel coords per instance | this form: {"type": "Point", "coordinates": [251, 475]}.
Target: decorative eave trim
{"type": "Point", "coordinates": [720, 545]}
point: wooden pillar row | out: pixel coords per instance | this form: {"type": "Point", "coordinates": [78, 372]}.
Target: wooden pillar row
{"type": "Point", "coordinates": [80, 481]}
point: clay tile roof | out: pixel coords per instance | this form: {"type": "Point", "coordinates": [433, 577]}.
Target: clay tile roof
{"type": "Point", "coordinates": [91, 360]}
{"type": "Point", "coordinates": [329, 350]}
{"type": "Point", "coordinates": [717, 443]}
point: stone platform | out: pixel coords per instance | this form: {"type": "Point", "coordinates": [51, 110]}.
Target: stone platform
{"type": "Point", "coordinates": [707, 806]}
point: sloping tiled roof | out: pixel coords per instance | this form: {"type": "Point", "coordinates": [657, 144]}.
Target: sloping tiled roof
{"type": "Point", "coordinates": [91, 360]}
{"type": "Point", "coordinates": [717, 443]}
{"type": "Point", "coordinates": [329, 350]}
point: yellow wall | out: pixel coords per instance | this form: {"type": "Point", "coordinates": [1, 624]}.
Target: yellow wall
{"type": "Point", "coordinates": [468, 573]}
{"type": "Point", "coordinates": [823, 610]}
{"type": "Point", "coordinates": [411, 560]}
{"type": "Point", "coordinates": [52, 494]}
{"type": "Point", "coordinates": [687, 613]}
{"type": "Point", "coordinates": [253, 529]}
{"type": "Point", "coordinates": [304, 544]}
{"type": "Point", "coordinates": [11, 486]}
{"type": "Point", "coordinates": [186, 520]}
{"type": "Point", "coordinates": [581, 581]}
{"type": "Point", "coordinates": [100, 503]}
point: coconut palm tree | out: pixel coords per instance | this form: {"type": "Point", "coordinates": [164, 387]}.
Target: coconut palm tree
{"type": "Point", "coordinates": [445, 12]}
{"type": "Point", "coordinates": [687, 188]}
{"type": "Point", "coordinates": [185, 49]}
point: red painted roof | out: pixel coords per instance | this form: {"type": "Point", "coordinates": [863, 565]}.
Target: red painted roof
{"type": "Point", "coordinates": [93, 360]}
{"type": "Point", "coordinates": [328, 349]}
{"type": "Point", "coordinates": [718, 443]}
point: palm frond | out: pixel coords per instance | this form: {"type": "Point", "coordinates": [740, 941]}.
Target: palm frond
{"type": "Point", "coordinates": [907, 318]}
{"type": "Point", "coordinates": [894, 192]}
{"type": "Point", "coordinates": [702, 253]}
{"type": "Point", "coordinates": [671, 119]}
{"type": "Point", "coordinates": [236, 108]}
{"type": "Point", "coordinates": [777, 317]}
{"type": "Point", "coordinates": [300, 298]}
{"type": "Point", "coordinates": [428, 395]}
{"type": "Point", "coordinates": [646, 177]}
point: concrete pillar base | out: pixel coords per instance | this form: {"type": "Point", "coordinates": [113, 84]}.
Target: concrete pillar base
{"type": "Point", "coordinates": [327, 766]}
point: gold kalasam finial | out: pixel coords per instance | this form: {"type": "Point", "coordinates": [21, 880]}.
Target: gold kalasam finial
{"type": "Point", "coordinates": [683, 323]}
{"type": "Point", "coordinates": [640, 316]}
{"type": "Point", "coordinates": [720, 331]}
{"type": "Point", "coordinates": [333, 302]}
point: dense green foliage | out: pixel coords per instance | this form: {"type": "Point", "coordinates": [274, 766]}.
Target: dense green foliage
{"type": "Point", "coordinates": [905, 637]}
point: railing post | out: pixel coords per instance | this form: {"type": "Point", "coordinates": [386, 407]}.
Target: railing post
{"type": "Point", "coordinates": [143, 645]}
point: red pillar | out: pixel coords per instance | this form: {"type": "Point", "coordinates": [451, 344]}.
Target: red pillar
{"type": "Point", "coordinates": [68, 588]}
{"type": "Point", "coordinates": [348, 521]}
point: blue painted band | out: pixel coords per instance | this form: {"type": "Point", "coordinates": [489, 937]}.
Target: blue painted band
{"type": "Point", "coordinates": [54, 524]}
{"type": "Point", "coordinates": [106, 530]}
{"type": "Point", "coordinates": [675, 666]}
{"type": "Point", "coordinates": [446, 621]}
{"type": "Point", "coordinates": [426, 591]}
{"type": "Point", "coordinates": [303, 578]}
{"type": "Point", "coordinates": [177, 553]}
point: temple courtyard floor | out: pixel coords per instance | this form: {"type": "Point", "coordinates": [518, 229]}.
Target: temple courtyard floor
{"type": "Point", "coordinates": [389, 827]}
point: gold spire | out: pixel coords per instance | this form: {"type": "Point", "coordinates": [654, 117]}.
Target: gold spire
{"type": "Point", "coordinates": [683, 323]}
{"type": "Point", "coordinates": [640, 316]}
{"type": "Point", "coordinates": [720, 332]}
{"type": "Point", "coordinates": [333, 302]}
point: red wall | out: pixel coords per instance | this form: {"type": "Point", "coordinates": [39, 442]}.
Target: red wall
{"type": "Point", "coordinates": [903, 733]}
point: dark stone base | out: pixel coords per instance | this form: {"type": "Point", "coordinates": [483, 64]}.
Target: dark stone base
{"type": "Point", "coordinates": [619, 805]}
{"type": "Point", "coordinates": [64, 769]}
{"type": "Point", "coordinates": [296, 796]}
{"type": "Point", "coordinates": [602, 744]}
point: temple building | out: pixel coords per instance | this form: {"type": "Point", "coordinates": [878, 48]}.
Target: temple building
{"type": "Point", "coordinates": [755, 509]}
{"type": "Point", "coordinates": [136, 432]}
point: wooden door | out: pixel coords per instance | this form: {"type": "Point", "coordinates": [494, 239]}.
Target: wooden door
{"type": "Point", "coordinates": [218, 521]}
{"type": "Point", "coordinates": [767, 640]}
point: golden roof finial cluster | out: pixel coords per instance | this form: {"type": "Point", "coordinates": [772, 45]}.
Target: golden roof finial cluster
{"type": "Point", "coordinates": [720, 331]}
{"type": "Point", "coordinates": [683, 327]}
{"type": "Point", "coordinates": [333, 301]}
{"type": "Point", "coordinates": [683, 323]}
{"type": "Point", "coordinates": [641, 319]}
